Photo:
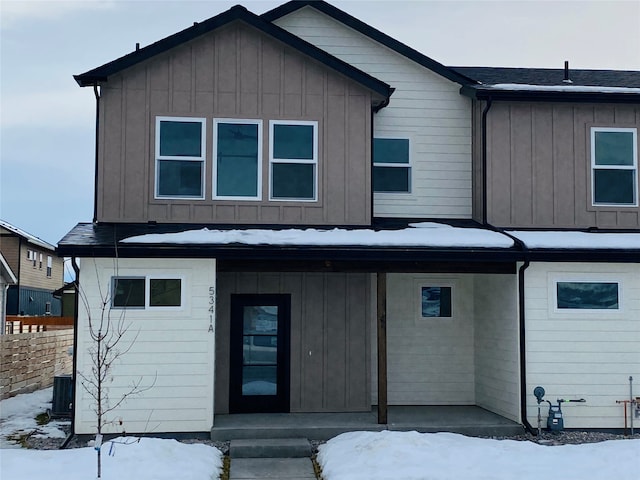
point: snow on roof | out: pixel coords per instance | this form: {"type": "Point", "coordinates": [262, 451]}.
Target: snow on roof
{"type": "Point", "coordinates": [424, 234]}
{"type": "Point", "coordinates": [582, 240]}
{"type": "Point", "coordinates": [30, 238]}
{"type": "Point", "coordinates": [563, 88]}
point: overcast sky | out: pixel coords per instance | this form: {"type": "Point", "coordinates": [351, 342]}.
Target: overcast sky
{"type": "Point", "coordinates": [47, 122]}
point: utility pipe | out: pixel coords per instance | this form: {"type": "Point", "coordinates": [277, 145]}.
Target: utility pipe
{"type": "Point", "coordinates": [485, 111]}
{"type": "Point", "coordinates": [96, 93]}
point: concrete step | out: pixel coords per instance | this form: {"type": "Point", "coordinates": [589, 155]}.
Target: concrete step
{"type": "Point", "coordinates": [270, 448]}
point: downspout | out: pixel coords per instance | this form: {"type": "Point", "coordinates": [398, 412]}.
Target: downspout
{"type": "Point", "coordinates": [76, 303]}
{"type": "Point", "coordinates": [485, 111]}
{"type": "Point", "coordinates": [522, 345]}
{"type": "Point", "coordinates": [96, 92]}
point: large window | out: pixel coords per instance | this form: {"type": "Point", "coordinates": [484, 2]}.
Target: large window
{"type": "Point", "coordinates": [614, 163]}
{"type": "Point", "coordinates": [391, 165]}
{"type": "Point", "coordinates": [180, 157]}
{"type": "Point", "coordinates": [142, 292]}
{"type": "Point", "coordinates": [293, 159]}
{"type": "Point", "coordinates": [436, 301]}
{"type": "Point", "coordinates": [587, 296]}
{"type": "Point", "coordinates": [237, 166]}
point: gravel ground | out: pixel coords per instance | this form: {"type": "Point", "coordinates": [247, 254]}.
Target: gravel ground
{"type": "Point", "coordinates": [546, 438]}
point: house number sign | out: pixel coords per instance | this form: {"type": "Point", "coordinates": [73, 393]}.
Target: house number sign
{"type": "Point", "coordinates": [212, 307]}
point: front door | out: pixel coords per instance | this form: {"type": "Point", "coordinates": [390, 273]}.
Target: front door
{"type": "Point", "coordinates": [259, 380]}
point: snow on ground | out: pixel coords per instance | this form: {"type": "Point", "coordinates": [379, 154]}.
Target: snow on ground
{"type": "Point", "coordinates": [449, 456]}
{"type": "Point", "coordinates": [17, 417]}
{"type": "Point", "coordinates": [148, 459]}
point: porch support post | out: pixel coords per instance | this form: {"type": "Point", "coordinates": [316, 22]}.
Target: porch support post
{"type": "Point", "coordinates": [381, 310]}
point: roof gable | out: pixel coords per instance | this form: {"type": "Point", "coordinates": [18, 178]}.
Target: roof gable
{"type": "Point", "coordinates": [27, 236]}
{"type": "Point", "coordinates": [236, 13]}
{"type": "Point", "coordinates": [371, 32]}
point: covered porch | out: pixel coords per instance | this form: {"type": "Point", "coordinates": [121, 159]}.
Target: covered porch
{"type": "Point", "coordinates": [463, 419]}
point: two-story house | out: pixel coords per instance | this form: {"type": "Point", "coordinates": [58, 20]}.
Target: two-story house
{"type": "Point", "coordinates": [296, 213]}
{"type": "Point", "coordinates": [37, 269]}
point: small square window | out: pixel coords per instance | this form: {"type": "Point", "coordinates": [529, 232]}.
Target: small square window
{"type": "Point", "coordinates": [614, 163]}
{"type": "Point", "coordinates": [587, 296]}
{"type": "Point", "coordinates": [436, 302]}
{"type": "Point", "coordinates": [165, 292]}
{"type": "Point", "coordinates": [128, 292]}
{"type": "Point", "coordinates": [391, 165]}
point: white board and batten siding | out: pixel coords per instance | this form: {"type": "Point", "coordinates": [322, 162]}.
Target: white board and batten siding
{"type": "Point", "coordinates": [586, 354]}
{"type": "Point", "coordinates": [171, 349]}
{"type": "Point", "coordinates": [470, 358]}
{"type": "Point", "coordinates": [425, 108]}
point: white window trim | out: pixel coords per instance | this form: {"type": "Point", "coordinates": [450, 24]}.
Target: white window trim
{"type": "Point", "coordinates": [313, 161]}
{"type": "Point", "coordinates": [585, 278]}
{"type": "Point", "coordinates": [420, 284]}
{"type": "Point", "coordinates": [214, 174]}
{"type": "Point", "coordinates": [202, 158]}
{"type": "Point", "coordinates": [633, 167]}
{"type": "Point", "coordinates": [396, 165]}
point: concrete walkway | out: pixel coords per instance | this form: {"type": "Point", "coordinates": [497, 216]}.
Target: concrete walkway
{"type": "Point", "coordinates": [267, 468]}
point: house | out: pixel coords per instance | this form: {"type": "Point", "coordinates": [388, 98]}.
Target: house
{"type": "Point", "coordinates": [296, 213]}
{"type": "Point", "coordinates": [7, 278]}
{"type": "Point", "coordinates": [37, 269]}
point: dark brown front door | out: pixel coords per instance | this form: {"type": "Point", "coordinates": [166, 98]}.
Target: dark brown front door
{"type": "Point", "coordinates": [259, 380]}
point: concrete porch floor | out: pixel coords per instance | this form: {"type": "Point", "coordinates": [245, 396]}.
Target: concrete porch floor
{"type": "Point", "coordinates": [467, 420]}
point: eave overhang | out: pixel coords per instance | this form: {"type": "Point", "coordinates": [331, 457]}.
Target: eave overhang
{"type": "Point", "coordinates": [534, 95]}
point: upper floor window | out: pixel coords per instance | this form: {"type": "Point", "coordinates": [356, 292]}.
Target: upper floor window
{"type": "Point", "coordinates": [237, 166]}
{"type": "Point", "coordinates": [293, 159]}
{"type": "Point", "coordinates": [180, 157]}
{"type": "Point", "coordinates": [391, 165]}
{"type": "Point", "coordinates": [614, 163]}
{"type": "Point", "coordinates": [49, 265]}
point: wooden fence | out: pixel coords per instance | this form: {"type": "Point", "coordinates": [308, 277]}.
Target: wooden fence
{"type": "Point", "coordinates": [29, 361]}
{"type": "Point", "coordinates": [25, 324]}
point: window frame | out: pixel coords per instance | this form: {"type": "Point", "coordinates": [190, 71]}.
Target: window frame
{"type": "Point", "coordinates": [214, 158]}
{"type": "Point", "coordinates": [314, 161]}
{"type": "Point", "coordinates": [435, 284]}
{"type": "Point", "coordinates": [49, 265]}
{"type": "Point", "coordinates": [585, 278]}
{"type": "Point", "coordinates": [147, 292]}
{"type": "Point", "coordinates": [202, 158]}
{"type": "Point", "coordinates": [408, 165]}
{"type": "Point", "coordinates": [633, 168]}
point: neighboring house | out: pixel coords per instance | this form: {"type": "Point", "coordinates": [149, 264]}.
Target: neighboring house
{"type": "Point", "coordinates": [37, 268]}
{"type": "Point", "coordinates": [7, 278]}
{"type": "Point", "coordinates": [266, 192]}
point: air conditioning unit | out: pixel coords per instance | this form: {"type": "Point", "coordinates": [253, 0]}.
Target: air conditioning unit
{"type": "Point", "coordinates": [62, 396]}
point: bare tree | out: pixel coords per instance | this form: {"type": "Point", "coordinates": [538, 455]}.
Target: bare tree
{"type": "Point", "coordinates": [107, 333]}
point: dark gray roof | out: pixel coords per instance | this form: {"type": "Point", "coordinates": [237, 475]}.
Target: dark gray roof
{"type": "Point", "coordinates": [552, 76]}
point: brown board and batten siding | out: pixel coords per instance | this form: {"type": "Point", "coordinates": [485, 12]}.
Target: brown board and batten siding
{"type": "Point", "coordinates": [234, 72]}
{"type": "Point", "coordinates": [330, 350]}
{"type": "Point", "coordinates": [539, 164]}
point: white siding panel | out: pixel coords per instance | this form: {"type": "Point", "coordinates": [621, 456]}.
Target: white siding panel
{"type": "Point", "coordinates": [425, 107]}
{"type": "Point", "coordinates": [588, 355]}
{"type": "Point", "coordinates": [430, 360]}
{"type": "Point", "coordinates": [170, 350]}
{"type": "Point", "coordinates": [496, 344]}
